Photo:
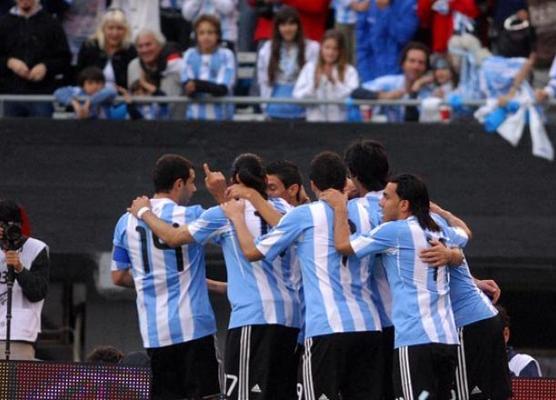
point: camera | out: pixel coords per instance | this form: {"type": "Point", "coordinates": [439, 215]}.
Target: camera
{"type": "Point", "coordinates": [12, 238]}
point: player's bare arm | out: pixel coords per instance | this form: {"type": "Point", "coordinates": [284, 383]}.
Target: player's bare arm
{"type": "Point", "coordinates": [215, 183]}
{"type": "Point", "coordinates": [123, 278]}
{"type": "Point", "coordinates": [490, 288]}
{"type": "Point", "coordinates": [438, 255]}
{"type": "Point", "coordinates": [267, 212]}
{"type": "Point", "coordinates": [235, 211]}
{"type": "Point", "coordinates": [451, 218]}
{"type": "Point", "coordinates": [338, 201]}
{"type": "Point", "coordinates": [217, 286]}
{"type": "Point", "coordinates": [173, 237]}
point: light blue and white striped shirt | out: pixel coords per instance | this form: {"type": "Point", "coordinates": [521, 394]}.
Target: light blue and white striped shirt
{"type": "Point", "coordinates": [336, 294]}
{"type": "Point", "coordinates": [225, 10]}
{"type": "Point", "coordinates": [260, 292]}
{"type": "Point", "coordinates": [218, 67]}
{"type": "Point", "coordinates": [365, 213]}
{"type": "Point", "coordinates": [421, 308]}
{"type": "Point", "coordinates": [497, 74]}
{"type": "Point", "coordinates": [344, 13]}
{"type": "Point", "coordinates": [172, 296]}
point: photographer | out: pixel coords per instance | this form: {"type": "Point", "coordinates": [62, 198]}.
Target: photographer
{"type": "Point", "coordinates": [30, 273]}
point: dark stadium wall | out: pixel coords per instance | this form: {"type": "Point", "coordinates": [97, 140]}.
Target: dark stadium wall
{"type": "Point", "coordinates": [75, 178]}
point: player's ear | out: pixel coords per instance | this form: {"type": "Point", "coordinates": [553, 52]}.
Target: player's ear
{"type": "Point", "coordinates": [404, 205]}
{"type": "Point", "coordinates": [293, 189]}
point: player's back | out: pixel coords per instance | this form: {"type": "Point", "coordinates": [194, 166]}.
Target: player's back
{"type": "Point", "coordinates": [172, 295]}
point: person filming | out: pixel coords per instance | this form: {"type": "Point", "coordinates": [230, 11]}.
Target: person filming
{"type": "Point", "coordinates": [23, 261]}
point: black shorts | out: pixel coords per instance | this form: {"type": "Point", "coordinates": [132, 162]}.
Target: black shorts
{"type": "Point", "coordinates": [260, 362]}
{"type": "Point", "coordinates": [343, 366]}
{"type": "Point", "coordinates": [483, 371]}
{"type": "Point", "coordinates": [426, 368]}
{"type": "Point", "coordinates": [187, 370]}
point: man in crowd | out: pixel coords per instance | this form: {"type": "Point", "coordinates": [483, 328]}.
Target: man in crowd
{"type": "Point", "coordinates": [34, 54]}
{"type": "Point", "coordinates": [175, 316]}
{"type": "Point", "coordinates": [23, 261]}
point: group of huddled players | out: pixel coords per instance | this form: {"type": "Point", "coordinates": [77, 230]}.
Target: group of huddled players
{"type": "Point", "coordinates": [366, 298]}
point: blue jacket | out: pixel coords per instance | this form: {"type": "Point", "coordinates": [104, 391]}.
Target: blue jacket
{"type": "Point", "coordinates": [100, 101]}
{"type": "Point", "coordinates": [381, 35]}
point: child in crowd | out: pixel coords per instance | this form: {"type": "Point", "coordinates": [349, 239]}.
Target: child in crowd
{"type": "Point", "coordinates": [152, 111]}
{"type": "Point", "coordinates": [208, 70]}
{"type": "Point", "coordinates": [98, 97]}
{"type": "Point", "coordinates": [330, 78]}
{"type": "Point", "coordinates": [441, 82]}
{"type": "Point", "coordinates": [280, 60]}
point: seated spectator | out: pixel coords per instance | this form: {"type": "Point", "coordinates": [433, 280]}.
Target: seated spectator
{"type": "Point", "coordinates": [33, 53]}
{"type": "Point", "coordinates": [414, 64]}
{"type": "Point", "coordinates": [521, 365]}
{"type": "Point", "coordinates": [380, 35]}
{"type": "Point", "coordinates": [549, 91]}
{"type": "Point", "coordinates": [92, 98]}
{"type": "Point", "coordinates": [208, 70]}
{"type": "Point", "coordinates": [225, 10]}
{"type": "Point", "coordinates": [109, 49]}
{"type": "Point", "coordinates": [141, 14]}
{"type": "Point", "coordinates": [148, 111]}
{"type": "Point", "coordinates": [329, 78]}
{"type": "Point", "coordinates": [346, 14]}
{"type": "Point", "coordinates": [174, 26]}
{"type": "Point", "coordinates": [105, 355]}
{"type": "Point", "coordinates": [280, 60]}
{"type": "Point", "coordinates": [158, 62]}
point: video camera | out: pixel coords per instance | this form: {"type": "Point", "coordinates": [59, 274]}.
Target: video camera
{"type": "Point", "coordinates": [12, 238]}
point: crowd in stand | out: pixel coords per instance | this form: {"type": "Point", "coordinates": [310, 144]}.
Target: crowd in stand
{"type": "Point", "coordinates": [86, 52]}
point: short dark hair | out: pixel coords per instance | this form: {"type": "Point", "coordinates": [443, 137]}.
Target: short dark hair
{"type": "Point", "coordinates": [10, 212]}
{"type": "Point", "coordinates": [93, 74]}
{"type": "Point", "coordinates": [105, 354]}
{"type": "Point", "coordinates": [327, 171]}
{"type": "Point", "coordinates": [367, 161]}
{"type": "Point", "coordinates": [286, 171]}
{"type": "Point", "coordinates": [415, 46]}
{"type": "Point", "coordinates": [168, 169]}
{"type": "Point", "coordinates": [414, 190]}
{"type": "Point", "coordinates": [249, 169]}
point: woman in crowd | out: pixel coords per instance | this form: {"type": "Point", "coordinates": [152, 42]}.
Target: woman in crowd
{"type": "Point", "coordinates": [281, 59]}
{"type": "Point", "coordinates": [109, 49]}
{"type": "Point", "coordinates": [208, 70]}
{"type": "Point", "coordinates": [330, 78]}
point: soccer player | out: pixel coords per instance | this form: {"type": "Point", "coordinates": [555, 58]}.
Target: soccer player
{"type": "Point", "coordinates": [425, 332]}
{"type": "Point", "coordinates": [265, 317]}
{"type": "Point", "coordinates": [284, 180]}
{"type": "Point", "coordinates": [342, 326]}
{"type": "Point", "coordinates": [176, 320]}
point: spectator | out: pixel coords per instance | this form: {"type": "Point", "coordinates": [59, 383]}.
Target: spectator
{"type": "Point", "coordinates": [109, 49]}
{"type": "Point", "coordinates": [208, 70]}
{"type": "Point", "coordinates": [516, 38]}
{"type": "Point", "coordinates": [439, 16]}
{"type": "Point", "coordinates": [158, 62]}
{"type": "Point", "coordinates": [33, 53]}
{"type": "Point", "coordinates": [414, 63]}
{"type": "Point", "coordinates": [330, 78]}
{"type": "Point", "coordinates": [105, 355]}
{"type": "Point", "coordinates": [500, 11]}
{"type": "Point", "coordinates": [281, 59]}
{"type": "Point", "coordinates": [141, 14]}
{"type": "Point", "coordinates": [80, 22]}
{"type": "Point", "coordinates": [92, 87]}
{"type": "Point", "coordinates": [146, 111]}
{"type": "Point", "coordinates": [549, 91]}
{"type": "Point", "coordinates": [442, 82]}
{"type": "Point", "coordinates": [313, 14]}
{"type": "Point", "coordinates": [346, 14]}
{"type": "Point", "coordinates": [225, 10]}
{"type": "Point", "coordinates": [381, 34]}
{"type": "Point", "coordinates": [174, 27]}
{"type": "Point", "coordinates": [521, 365]}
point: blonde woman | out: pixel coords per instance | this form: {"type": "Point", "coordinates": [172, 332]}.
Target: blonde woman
{"type": "Point", "coordinates": [109, 49]}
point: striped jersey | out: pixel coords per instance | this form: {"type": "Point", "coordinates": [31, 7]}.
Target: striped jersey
{"type": "Point", "coordinates": [343, 12]}
{"type": "Point", "coordinates": [218, 67]}
{"type": "Point", "coordinates": [421, 308]}
{"type": "Point", "coordinates": [469, 303]}
{"type": "Point", "coordinates": [172, 296]}
{"type": "Point", "coordinates": [336, 293]}
{"type": "Point", "coordinates": [261, 292]}
{"type": "Point", "coordinates": [366, 214]}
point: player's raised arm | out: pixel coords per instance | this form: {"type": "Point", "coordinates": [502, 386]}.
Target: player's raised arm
{"type": "Point", "coordinates": [267, 212]}
{"type": "Point", "coordinates": [234, 210]}
{"type": "Point", "coordinates": [173, 237]}
{"type": "Point", "coordinates": [453, 220]}
{"type": "Point", "coordinates": [215, 183]}
{"type": "Point", "coordinates": [338, 201]}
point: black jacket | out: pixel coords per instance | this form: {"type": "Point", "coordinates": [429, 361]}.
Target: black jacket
{"type": "Point", "coordinates": [91, 55]}
{"type": "Point", "coordinates": [34, 40]}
